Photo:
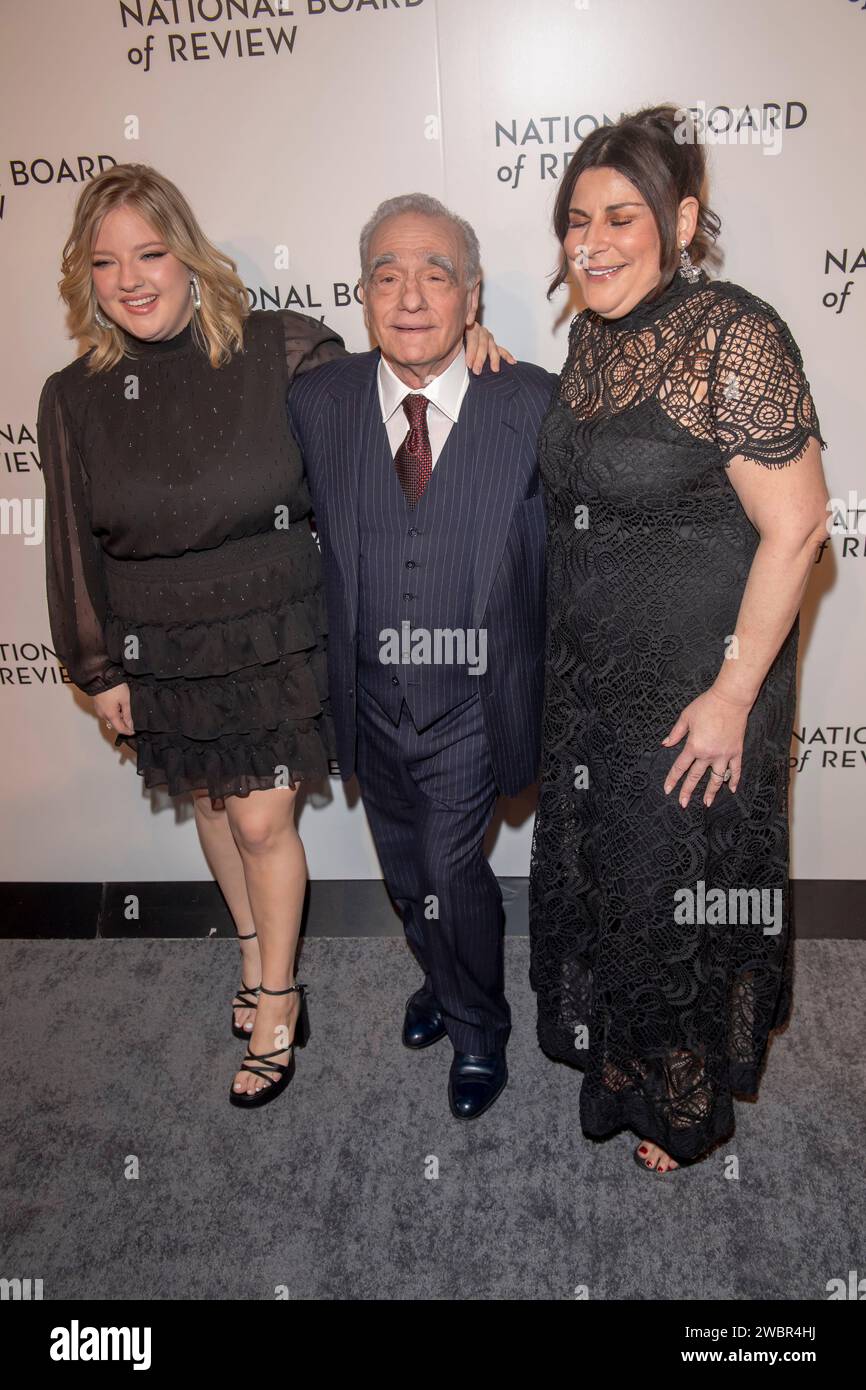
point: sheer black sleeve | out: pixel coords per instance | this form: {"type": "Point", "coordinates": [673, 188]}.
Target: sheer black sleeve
{"type": "Point", "coordinates": [309, 343]}
{"type": "Point", "coordinates": [73, 555]}
{"type": "Point", "coordinates": [760, 399]}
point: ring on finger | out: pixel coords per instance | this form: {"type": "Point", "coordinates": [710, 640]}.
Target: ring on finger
{"type": "Point", "coordinates": [722, 776]}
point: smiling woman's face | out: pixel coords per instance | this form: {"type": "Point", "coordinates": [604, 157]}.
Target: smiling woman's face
{"type": "Point", "coordinates": [613, 235]}
{"type": "Point", "coordinates": [138, 282]}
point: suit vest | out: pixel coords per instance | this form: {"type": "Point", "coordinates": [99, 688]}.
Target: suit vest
{"type": "Point", "coordinates": [415, 578]}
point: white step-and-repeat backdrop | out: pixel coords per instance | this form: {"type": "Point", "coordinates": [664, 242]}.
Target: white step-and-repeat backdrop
{"type": "Point", "coordinates": [285, 124]}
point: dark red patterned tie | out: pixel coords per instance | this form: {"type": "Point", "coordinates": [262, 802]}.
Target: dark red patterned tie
{"type": "Point", "coordinates": [414, 458]}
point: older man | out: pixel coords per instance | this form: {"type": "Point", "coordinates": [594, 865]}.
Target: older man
{"type": "Point", "coordinates": [426, 494]}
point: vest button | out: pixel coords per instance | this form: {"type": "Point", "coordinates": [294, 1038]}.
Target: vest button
{"type": "Point", "coordinates": [408, 595]}
{"type": "Point", "coordinates": [394, 680]}
{"type": "Point", "coordinates": [410, 564]}
{"type": "Point", "coordinates": [413, 531]}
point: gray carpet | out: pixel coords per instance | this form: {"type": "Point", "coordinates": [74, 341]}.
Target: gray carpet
{"type": "Point", "coordinates": [117, 1052]}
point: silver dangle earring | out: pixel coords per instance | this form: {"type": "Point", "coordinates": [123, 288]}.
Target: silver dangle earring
{"type": "Point", "coordinates": [195, 291]}
{"type": "Point", "coordinates": [688, 270]}
{"type": "Point", "coordinates": [101, 321]}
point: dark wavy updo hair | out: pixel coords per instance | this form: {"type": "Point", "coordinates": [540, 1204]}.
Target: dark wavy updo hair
{"type": "Point", "coordinates": [644, 148]}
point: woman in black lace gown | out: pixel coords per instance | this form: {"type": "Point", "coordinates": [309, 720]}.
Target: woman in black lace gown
{"type": "Point", "coordinates": [681, 465]}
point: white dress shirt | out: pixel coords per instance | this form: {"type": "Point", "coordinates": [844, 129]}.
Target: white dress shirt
{"type": "Point", "coordinates": [445, 394]}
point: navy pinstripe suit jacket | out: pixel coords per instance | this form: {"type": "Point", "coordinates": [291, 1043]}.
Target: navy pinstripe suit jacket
{"type": "Point", "coordinates": [328, 410]}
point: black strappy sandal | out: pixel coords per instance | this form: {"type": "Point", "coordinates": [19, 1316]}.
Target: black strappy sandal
{"type": "Point", "coordinates": [270, 1092]}
{"type": "Point", "coordinates": [245, 989]}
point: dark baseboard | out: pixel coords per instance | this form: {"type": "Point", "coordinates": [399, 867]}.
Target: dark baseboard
{"type": "Point", "coordinates": [834, 908]}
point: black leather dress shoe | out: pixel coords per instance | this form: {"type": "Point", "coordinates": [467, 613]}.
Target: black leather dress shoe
{"type": "Point", "coordinates": [475, 1082]}
{"type": "Point", "coordinates": [423, 1023]}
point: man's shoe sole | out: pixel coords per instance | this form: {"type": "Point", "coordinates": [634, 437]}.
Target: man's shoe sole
{"type": "Point", "coordinates": [419, 1047]}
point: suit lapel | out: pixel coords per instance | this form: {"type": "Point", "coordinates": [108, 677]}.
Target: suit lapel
{"type": "Point", "coordinates": [346, 422]}
{"type": "Point", "coordinates": [494, 432]}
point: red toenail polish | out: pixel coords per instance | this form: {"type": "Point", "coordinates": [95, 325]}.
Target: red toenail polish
{"type": "Point", "coordinates": [642, 1149]}
{"type": "Point", "coordinates": [649, 1163]}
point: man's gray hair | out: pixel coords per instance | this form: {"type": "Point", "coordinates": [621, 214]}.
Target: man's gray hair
{"type": "Point", "coordinates": [427, 207]}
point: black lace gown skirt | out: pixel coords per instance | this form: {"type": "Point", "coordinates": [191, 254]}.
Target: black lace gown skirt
{"type": "Point", "coordinates": [665, 1016]}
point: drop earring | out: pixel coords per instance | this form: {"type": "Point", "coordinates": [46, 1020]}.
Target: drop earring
{"type": "Point", "coordinates": [688, 269]}
{"type": "Point", "coordinates": [195, 291]}
{"type": "Point", "coordinates": [101, 322]}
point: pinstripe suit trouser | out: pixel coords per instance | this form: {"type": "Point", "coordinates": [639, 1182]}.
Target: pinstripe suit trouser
{"type": "Point", "coordinates": [429, 798]}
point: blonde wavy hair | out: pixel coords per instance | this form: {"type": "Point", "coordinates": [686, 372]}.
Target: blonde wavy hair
{"type": "Point", "coordinates": [217, 326]}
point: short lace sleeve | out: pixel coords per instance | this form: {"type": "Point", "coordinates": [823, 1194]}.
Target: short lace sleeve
{"type": "Point", "coordinates": [759, 396]}
{"type": "Point", "coordinates": [73, 555]}
{"type": "Point", "coordinates": [308, 343]}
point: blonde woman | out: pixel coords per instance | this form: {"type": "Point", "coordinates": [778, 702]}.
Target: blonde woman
{"type": "Point", "coordinates": [183, 579]}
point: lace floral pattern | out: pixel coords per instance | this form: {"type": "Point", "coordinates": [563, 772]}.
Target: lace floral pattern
{"type": "Point", "coordinates": [649, 550]}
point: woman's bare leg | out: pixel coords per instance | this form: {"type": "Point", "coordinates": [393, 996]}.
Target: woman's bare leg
{"type": "Point", "coordinates": [275, 873]}
{"type": "Point", "coordinates": [225, 863]}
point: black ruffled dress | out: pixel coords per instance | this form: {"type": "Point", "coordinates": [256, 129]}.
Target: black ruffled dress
{"type": "Point", "coordinates": [181, 560]}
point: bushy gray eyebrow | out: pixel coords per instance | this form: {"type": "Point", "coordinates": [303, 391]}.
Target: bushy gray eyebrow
{"type": "Point", "coordinates": [442, 262]}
